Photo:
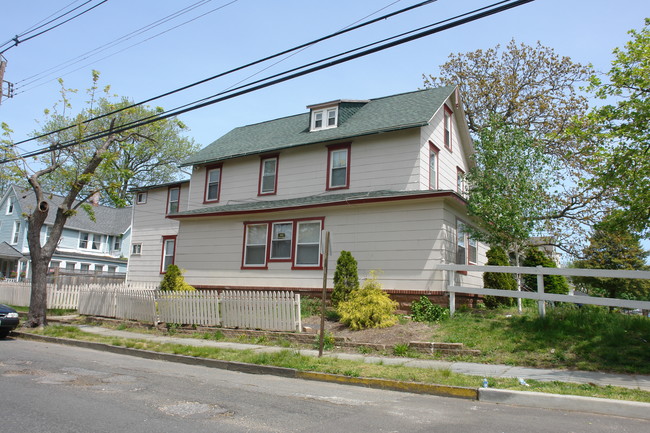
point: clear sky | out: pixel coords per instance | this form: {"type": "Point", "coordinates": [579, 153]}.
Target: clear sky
{"type": "Point", "coordinates": [246, 30]}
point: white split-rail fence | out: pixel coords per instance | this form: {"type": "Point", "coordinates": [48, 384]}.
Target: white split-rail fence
{"type": "Point", "coordinates": [540, 296]}
{"type": "Point", "coordinates": [267, 310]}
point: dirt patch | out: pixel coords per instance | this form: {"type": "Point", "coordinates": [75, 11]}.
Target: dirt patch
{"type": "Point", "coordinates": [396, 334]}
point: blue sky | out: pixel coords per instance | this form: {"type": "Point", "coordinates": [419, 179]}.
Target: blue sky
{"type": "Point", "coordinates": [245, 30]}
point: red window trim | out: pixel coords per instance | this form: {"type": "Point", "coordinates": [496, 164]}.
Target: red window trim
{"type": "Point", "coordinates": [331, 148]}
{"type": "Point", "coordinates": [207, 178]}
{"type": "Point", "coordinates": [263, 158]}
{"type": "Point", "coordinates": [433, 148]}
{"type": "Point", "coordinates": [467, 238]}
{"type": "Point", "coordinates": [169, 191]}
{"type": "Point", "coordinates": [269, 237]}
{"type": "Point", "coordinates": [448, 113]}
{"type": "Point", "coordinates": [162, 252]}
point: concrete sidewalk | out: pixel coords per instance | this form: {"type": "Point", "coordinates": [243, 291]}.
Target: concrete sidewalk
{"type": "Point", "coordinates": [481, 370]}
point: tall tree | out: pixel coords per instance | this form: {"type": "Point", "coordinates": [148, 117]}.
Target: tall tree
{"type": "Point", "coordinates": [622, 132]}
{"type": "Point", "coordinates": [533, 89]}
{"type": "Point", "coordinates": [613, 246]}
{"type": "Point", "coordinates": [74, 170]}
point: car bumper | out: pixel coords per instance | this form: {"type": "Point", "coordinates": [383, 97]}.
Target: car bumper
{"type": "Point", "coordinates": [9, 323]}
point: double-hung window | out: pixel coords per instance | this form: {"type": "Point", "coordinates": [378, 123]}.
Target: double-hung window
{"type": "Point", "coordinates": [433, 166]}
{"type": "Point", "coordinates": [461, 184]}
{"type": "Point", "coordinates": [212, 184]}
{"type": "Point", "coordinates": [83, 240]}
{"type": "Point", "coordinates": [324, 119]}
{"type": "Point", "coordinates": [89, 241]}
{"type": "Point", "coordinates": [173, 199]}
{"type": "Point", "coordinates": [136, 249]}
{"type": "Point", "coordinates": [255, 245]}
{"type": "Point", "coordinates": [308, 244]}
{"type": "Point", "coordinates": [281, 241]}
{"type": "Point", "coordinates": [15, 235]}
{"type": "Point", "coordinates": [268, 175]}
{"type": "Point", "coordinates": [466, 247]}
{"type": "Point", "coordinates": [338, 167]}
{"type": "Point", "coordinates": [141, 198]}
{"type": "Point", "coordinates": [168, 253]}
{"type": "Point", "coordinates": [10, 206]}
{"type": "Point", "coordinates": [447, 126]}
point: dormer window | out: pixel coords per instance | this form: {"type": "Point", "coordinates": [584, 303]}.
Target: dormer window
{"type": "Point", "coordinates": [324, 118]}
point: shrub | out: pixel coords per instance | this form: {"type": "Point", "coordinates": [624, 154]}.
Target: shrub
{"type": "Point", "coordinates": [346, 278]}
{"type": "Point", "coordinates": [492, 280]}
{"type": "Point", "coordinates": [368, 307]}
{"type": "Point", "coordinates": [552, 283]}
{"type": "Point", "coordinates": [174, 281]}
{"type": "Point", "coordinates": [424, 310]}
{"type": "Point", "coordinates": [309, 307]}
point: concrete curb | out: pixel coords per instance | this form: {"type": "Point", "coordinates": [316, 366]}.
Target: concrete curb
{"type": "Point", "coordinates": [630, 409]}
{"type": "Point", "coordinates": [603, 406]}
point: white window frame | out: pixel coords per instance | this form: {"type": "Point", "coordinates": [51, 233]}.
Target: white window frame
{"type": "Point", "coordinates": [141, 197]}
{"type": "Point", "coordinates": [209, 182]}
{"type": "Point", "coordinates": [168, 257]}
{"type": "Point", "coordinates": [117, 243]}
{"type": "Point", "coordinates": [271, 175]}
{"type": "Point", "coordinates": [264, 245]}
{"type": "Point", "coordinates": [136, 248]}
{"type": "Point", "coordinates": [275, 240]}
{"type": "Point", "coordinates": [177, 201]}
{"type": "Point", "coordinates": [299, 244]}
{"type": "Point", "coordinates": [15, 234]}
{"type": "Point", "coordinates": [90, 240]}
{"type": "Point", "coordinates": [331, 168]}
{"type": "Point", "coordinates": [469, 246]}
{"type": "Point", "coordinates": [10, 206]}
{"type": "Point", "coordinates": [325, 118]}
{"type": "Point", "coordinates": [434, 161]}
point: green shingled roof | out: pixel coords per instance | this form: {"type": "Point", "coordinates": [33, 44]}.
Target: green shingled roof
{"type": "Point", "coordinates": [310, 201]}
{"type": "Point", "coordinates": [390, 113]}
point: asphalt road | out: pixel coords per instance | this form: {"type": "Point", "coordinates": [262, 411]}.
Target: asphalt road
{"type": "Point", "coordinates": [52, 388]}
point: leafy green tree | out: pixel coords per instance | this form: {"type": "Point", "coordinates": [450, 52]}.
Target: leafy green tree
{"type": "Point", "coordinates": [620, 130]}
{"type": "Point", "coordinates": [346, 278]}
{"type": "Point", "coordinates": [613, 246]}
{"type": "Point", "coordinates": [174, 280]}
{"type": "Point", "coordinates": [552, 283]}
{"type": "Point", "coordinates": [496, 280]}
{"type": "Point", "coordinates": [74, 171]}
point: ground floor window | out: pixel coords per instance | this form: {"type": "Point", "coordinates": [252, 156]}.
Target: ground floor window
{"type": "Point", "coordinates": [168, 253]}
{"type": "Point", "coordinates": [466, 247]}
{"type": "Point", "coordinates": [296, 241]}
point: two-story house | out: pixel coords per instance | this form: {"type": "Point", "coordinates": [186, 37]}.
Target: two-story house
{"type": "Point", "coordinates": [384, 176]}
{"type": "Point", "coordinates": [86, 246]}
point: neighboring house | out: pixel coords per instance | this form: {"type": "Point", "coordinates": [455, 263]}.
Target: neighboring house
{"type": "Point", "coordinates": [86, 246]}
{"type": "Point", "coordinates": [384, 176]}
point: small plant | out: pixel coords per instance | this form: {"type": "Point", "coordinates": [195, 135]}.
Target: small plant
{"type": "Point", "coordinates": [401, 349]}
{"type": "Point", "coordinates": [174, 281]}
{"type": "Point", "coordinates": [364, 350]}
{"type": "Point", "coordinates": [346, 278]}
{"type": "Point", "coordinates": [368, 307]}
{"type": "Point", "coordinates": [351, 373]}
{"type": "Point", "coordinates": [121, 327]}
{"type": "Point", "coordinates": [328, 341]}
{"type": "Point", "coordinates": [424, 310]}
{"type": "Point", "coordinates": [172, 328]}
{"type": "Point", "coordinates": [309, 307]}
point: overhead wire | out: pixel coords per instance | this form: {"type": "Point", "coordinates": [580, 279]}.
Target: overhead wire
{"type": "Point", "coordinates": [237, 69]}
{"type": "Point", "coordinates": [450, 23]}
{"type": "Point", "coordinates": [17, 41]}
{"type": "Point", "coordinates": [62, 66]}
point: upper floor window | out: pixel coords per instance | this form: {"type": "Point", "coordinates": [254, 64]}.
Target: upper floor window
{"type": "Point", "coordinates": [117, 243]}
{"type": "Point", "coordinates": [338, 164]}
{"type": "Point", "coordinates": [10, 206]}
{"type": "Point", "coordinates": [447, 126]}
{"type": "Point", "coordinates": [136, 249]}
{"type": "Point", "coordinates": [212, 184]}
{"type": "Point", "coordinates": [433, 166]}
{"type": "Point", "coordinates": [324, 119]}
{"type": "Point", "coordinates": [461, 183]}
{"type": "Point", "coordinates": [173, 199]}
{"type": "Point", "coordinates": [168, 253]}
{"type": "Point", "coordinates": [141, 198]}
{"type": "Point", "coordinates": [268, 175]}
{"type": "Point", "coordinates": [16, 233]}
{"type": "Point", "coordinates": [90, 241]}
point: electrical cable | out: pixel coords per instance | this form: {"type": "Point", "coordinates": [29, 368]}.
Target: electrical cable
{"type": "Point", "coordinates": [239, 68]}
{"type": "Point", "coordinates": [16, 41]}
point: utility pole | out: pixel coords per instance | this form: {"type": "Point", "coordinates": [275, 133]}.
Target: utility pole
{"type": "Point", "coordinates": [10, 86]}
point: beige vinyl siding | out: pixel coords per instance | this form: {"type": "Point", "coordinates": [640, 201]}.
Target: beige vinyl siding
{"type": "Point", "coordinates": [404, 252]}
{"type": "Point", "coordinates": [388, 161]}
{"type": "Point", "coordinates": [149, 226]}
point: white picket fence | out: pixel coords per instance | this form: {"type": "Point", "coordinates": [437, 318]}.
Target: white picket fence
{"type": "Point", "coordinates": [272, 311]}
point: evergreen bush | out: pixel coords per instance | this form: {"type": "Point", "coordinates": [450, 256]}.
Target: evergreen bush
{"type": "Point", "coordinates": [346, 278]}
{"type": "Point", "coordinates": [424, 310]}
{"type": "Point", "coordinates": [368, 307]}
{"type": "Point", "coordinates": [552, 283]}
{"type": "Point", "coordinates": [174, 281]}
{"type": "Point", "coordinates": [492, 280]}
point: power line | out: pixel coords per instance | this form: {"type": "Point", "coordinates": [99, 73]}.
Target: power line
{"type": "Point", "coordinates": [17, 41]}
{"type": "Point", "coordinates": [53, 70]}
{"type": "Point", "coordinates": [468, 17]}
{"type": "Point", "coordinates": [239, 68]}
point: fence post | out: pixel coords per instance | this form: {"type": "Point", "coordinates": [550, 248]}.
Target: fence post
{"type": "Point", "coordinates": [541, 304]}
{"type": "Point", "coordinates": [452, 295]}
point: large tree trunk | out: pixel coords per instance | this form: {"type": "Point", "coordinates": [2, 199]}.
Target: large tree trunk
{"type": "Point", "coordinates": [38, 299]}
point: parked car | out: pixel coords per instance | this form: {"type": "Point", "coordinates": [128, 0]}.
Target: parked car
{"type": "Point", "coordinates": [8, 320]}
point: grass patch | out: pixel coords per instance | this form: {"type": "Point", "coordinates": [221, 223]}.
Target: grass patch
{"type": "Point", "coordinates": [586, 338]}
{"type": "Point", "coordinates": [293, 359]}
